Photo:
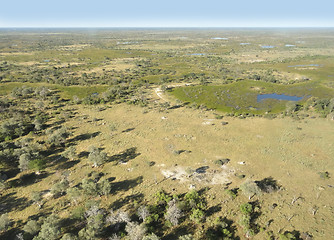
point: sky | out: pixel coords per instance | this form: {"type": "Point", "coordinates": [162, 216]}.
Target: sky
{"type": "Point", "coordinates": [171, 13]}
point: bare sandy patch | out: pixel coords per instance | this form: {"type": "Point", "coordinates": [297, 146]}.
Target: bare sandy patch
{"type": "Point", "coordinates": [203, 175]}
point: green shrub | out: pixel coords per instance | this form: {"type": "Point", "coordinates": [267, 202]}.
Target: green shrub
{"type": "Point", "coordinates": [231, 193]}
{"type": "Point", "coordinates": [288, 236]}
{"type": "Point", "coordinates": [324, 175]}
{"type": "Point", "coordinates": [246, 208]}
{"type": "Point", "coordinates": [221, 162]}
{"type": "Point", "coordinates": [162, 197]}
{"type": "Point", "coordinates": [197, 215]}
{"type": "Point", "coordinates": [78, 213]}
{"type": "Point", "coordinates": [37, 164]}
{"type": "Point", "coordinates": [4, 222]}
{"type": "Point", "coordinates": [250, 188]}
{"type": "Point", "coordinates": [32, 227]}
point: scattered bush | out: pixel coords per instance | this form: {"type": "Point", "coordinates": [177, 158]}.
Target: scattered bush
{"type": "Point", "coordinates": [221, 162]}
{"type": "Point", "coordinates": [58, 137]}
{"type": "Point", "coordinates": [32, 227]}
{"type": "Point", "coordinates": [4, 222]}
{"type": "Point", "coordinates": [104, 187]}
{"type": "Point", "coordinates": [250, 188]}
{"type": "Point", "coordinates": [186, 237]}
{"type": "Point", "coordinates": [173, 213]}
{"type": "Point", "coordinates": [324, 175]}
{"type": "Point", "coordinates": [50, 229]}
{"type": "Point", "coordinates": [135, 231]}
{"type": "Point", "coordinates": [69, 236]}
{"type": "Point", "coordinates": [231, 193]}
{"type": "Point", "coordinates": [246, 208]}
{"type": "Point", "coordinates": [60, 187]}
{"type": "Point", "coordinates": [70, 153]}
{"type": "Point", "coordinates": [143, 213]}
{"type": "Point", "coordinates": [89, 187]}
{"type": "Point", "coordinates": [36, 198]}
{"type": "Point", "coordinates": [37, 165]}
{"type": "Point", "coordinates": [152, 236]}
{"type": "Point", "coordinates": [197, 215]}
{"type": "Point", "coordinates": [96, 157]}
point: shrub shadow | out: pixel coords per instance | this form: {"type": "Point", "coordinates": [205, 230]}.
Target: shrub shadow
{"type": "Point", "coordinates": [28, 179]}
{"type": "Point", "coordinates": [125, 185]}
{"type": "Point", "coordinates": [84, 136]}
{"type": "Point", "coordinates": [125, 156]}
{"type": "Point", "coordinates": [179, 231]}
{"type": "Point", "coordinates": [10, 203]}
{"type": "Point", "coordinates": [139, 197]}
{"type": "Point", "coordinates": [68, 164]}
{"type": "Point", "coordinates": [268, 185]}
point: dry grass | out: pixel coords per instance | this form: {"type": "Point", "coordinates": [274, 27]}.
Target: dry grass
{"type": "Point", "coordinates": [270, 148]}
{"type": "Point", "coordinates": [290, 152]}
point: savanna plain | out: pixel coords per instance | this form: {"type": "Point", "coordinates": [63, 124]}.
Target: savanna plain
{"type": "Point", "coordinates": [166, 134]}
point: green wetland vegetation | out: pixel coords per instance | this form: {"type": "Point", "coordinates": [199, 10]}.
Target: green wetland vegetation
{"type": "Point", "coordinates": [160, 134]}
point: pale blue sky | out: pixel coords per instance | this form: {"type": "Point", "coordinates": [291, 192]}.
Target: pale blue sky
{"type": "Point", "coordinates": [172, 13]}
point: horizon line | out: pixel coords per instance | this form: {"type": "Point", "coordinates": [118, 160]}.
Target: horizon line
{"type": "Point", "coordinates": [103, 27]}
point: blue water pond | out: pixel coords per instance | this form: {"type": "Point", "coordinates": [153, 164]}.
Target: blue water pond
{"type": "Point", "coordinates": [261, 97]}
{"type": "Point", "coordinates": [196, 54]}
{"type": "Point", "coordinates": [268, 47]}
{"type": "Point", "coordinates": [306, 65]}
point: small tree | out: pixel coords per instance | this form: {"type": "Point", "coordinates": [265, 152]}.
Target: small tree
{"type": "Point", "coordinates": [32, 227]}
{"type": "Point", "coordinates": [135, 231]}
{"type": "Point", "coordinates": [104, 187]}
{"type": "Point", "coordinates": [173, 213]}
{"type": "Point", "coordinates": [19, 236]}
{"type": "Point", "coordinates": [186, 237]}
{"type": "Point", "coordinates": [37, 165]}
{"type": "Point", "coordinates": [40, 105]}
{"type": "Point", "coordinates": [96, 157]}
{"type": "Point", "coordinates": [87, 233]}
{"type": "Point", "coordinates": [74, 193]}
{"type": "Point", "coordinates": [143, 213]}
{"type": "Point", "coordinates": [116, 219]}
{"type": "Point", "coordinates": [90, 187]}
{"type": "Point", "coordinates": [197, 215]}
{"type": "Point", "coordinates": [4, 222]}
{"type": "Point", "coordinates": [58, 137]}
{"type": "Point", "coordinates": [38, 124]}
{"type": "Point", "coordinates": [2, 185]}
{"type": "Point", "coordinates": [24, 161]}
{"type": "Point", "coordinates": [69, 236]}
{"type": "Point", "coordinates": [70, 153]}
{"type": "Point", "coordinates": [250, 188]}
{"type": "Point", "coordinates": [95, 219]}
{"type": "Point", "coordinates": [50, 229]}
{"type": "Point", "coordinates": [152, 236]}
{"type": "Point", "coordinates": [37, 198]}
{"type": "Point", "coordinates": [60, 187]}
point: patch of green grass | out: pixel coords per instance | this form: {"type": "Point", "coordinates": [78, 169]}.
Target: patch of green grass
{"type": "Point", "coordinates": [241, 96]}
{"type": "Point", "coordinates": [65, 91]}
{"type": "Point", "coordinates": [80, 91]}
